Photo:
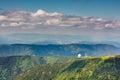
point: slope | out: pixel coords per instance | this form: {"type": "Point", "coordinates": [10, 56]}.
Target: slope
{"type": "Point", "coordinates": [92, 68]}
{"type": "Point", "coordinates": [13, 65]}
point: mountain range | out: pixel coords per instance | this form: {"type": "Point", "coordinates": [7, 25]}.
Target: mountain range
{"type": "Point", "coordinates": [38, 61]}
{"type": "Point", "coordinates": [58, 49]}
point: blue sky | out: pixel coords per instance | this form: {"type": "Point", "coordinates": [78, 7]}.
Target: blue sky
{"type": "Point", "coordinates": [98, 8]}
{"type": "Point", "coordinates": [80, 20]}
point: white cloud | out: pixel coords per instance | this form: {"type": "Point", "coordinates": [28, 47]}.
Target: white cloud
{"type": "Point", "coordinates": [14, 24]}
{"type": "Point", "coordinates": [53, 21]}
{"type": "Point", "coordinates": [41, 18]}
{"type": "Point", "coordinates": [3, 17]}
{"type": "Point", "coordinates": [43, 13]}
{"type": "Point", "coordinates": [39, 13]}
{"type": "Point", "coordinates": [109, 25]}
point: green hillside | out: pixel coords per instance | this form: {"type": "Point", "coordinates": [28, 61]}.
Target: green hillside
{"type": "Point", "coordinates": [98, 68]}
{"type": "Point", "coordinates": [13, 65]}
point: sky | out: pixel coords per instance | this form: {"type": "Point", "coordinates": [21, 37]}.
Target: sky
{"type": "Point", "coordinates": [70, 20]}
{"type": "Point", "coordinates": [98, 8]}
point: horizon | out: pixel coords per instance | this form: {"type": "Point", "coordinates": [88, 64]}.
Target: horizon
{"type": "Point", "coordinates": [70, 20]}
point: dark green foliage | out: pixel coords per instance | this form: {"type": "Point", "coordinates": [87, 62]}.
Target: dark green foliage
{"type": "Point", "coordinates": [13, 65]}
{"type": "Point", "coordinates": [108, 70]}
{"type": "Point", "coordinates": [44, 72]}
{"type": "Point", "coordinates": [101, 68]}
{"type": "Point", "coordinates": [10, 66]}
{"type": "Point", "coordinates": [76, 64]}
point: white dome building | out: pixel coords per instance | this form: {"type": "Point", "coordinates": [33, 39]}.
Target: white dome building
{"type": "Point", "coordinates": [79, 55]}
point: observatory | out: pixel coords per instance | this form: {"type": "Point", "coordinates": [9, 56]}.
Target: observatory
{"type": "Point", "coordinates": [79, 55]}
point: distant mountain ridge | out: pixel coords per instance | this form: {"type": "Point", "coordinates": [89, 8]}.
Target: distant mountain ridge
{"type": "Point", "coordinates": [58, 49]}
{"type": "Point", "coordinates": [45, 42]}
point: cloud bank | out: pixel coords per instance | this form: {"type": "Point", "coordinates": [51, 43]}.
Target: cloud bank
{"type": "Point", "coordinates": [39, 19]}
{"type": "Point", "coordinates": [41, 22]}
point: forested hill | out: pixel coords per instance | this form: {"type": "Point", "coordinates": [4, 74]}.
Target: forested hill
{"type": "Point", "coordinates": [92, 68]}
{"type": "Point", "coordinates": [58, 50]}
{"type": "Point", "coordinates": [59, 68]}
{"type": "Point", "coordinates": [13, 65]}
